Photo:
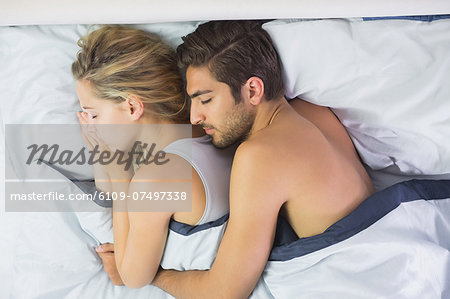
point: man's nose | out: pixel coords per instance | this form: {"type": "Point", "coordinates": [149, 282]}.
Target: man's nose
{"type": "Point", "coordinates": [197, 116]}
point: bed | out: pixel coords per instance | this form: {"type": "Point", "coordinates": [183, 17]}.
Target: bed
{"type": "Point", "coordinates": [385, 79]}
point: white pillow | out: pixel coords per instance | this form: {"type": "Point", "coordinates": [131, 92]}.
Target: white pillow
{"type": "Point", "coordinates": [37, 84]}
{"type": "Point", "coordinates": [386, 80]}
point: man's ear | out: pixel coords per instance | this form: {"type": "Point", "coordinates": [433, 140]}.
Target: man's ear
{"type": "Point", "coordinates": [135, 107]}
{"type": "Point", "coordinates": [254, 90]}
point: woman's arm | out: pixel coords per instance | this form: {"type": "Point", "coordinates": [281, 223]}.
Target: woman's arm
{"type": "Point", "coordinates": [102, 179]}
{"type": "Point", "coordinates": [139, 237]}
{"type": "Point", "coordinates": [107, 252]}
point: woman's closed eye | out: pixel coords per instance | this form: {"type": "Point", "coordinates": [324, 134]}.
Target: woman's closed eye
{"type": "Point", "coordinates": [90, 115]}
{"type": "Point", "coordinates": [205, 102]}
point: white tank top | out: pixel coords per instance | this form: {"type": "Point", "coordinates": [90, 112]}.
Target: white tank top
{"type": "Point", "coordinates": [213, 166]}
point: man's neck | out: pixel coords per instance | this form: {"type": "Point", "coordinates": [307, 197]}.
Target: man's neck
{"type": "Point", "coordinates": [267, 111]}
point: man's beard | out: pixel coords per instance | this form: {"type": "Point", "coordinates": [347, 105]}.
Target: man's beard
{"type": "Point", "coordinates": [237, 126]}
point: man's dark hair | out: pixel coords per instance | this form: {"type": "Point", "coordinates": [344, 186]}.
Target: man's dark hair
{"type": "Point", "coordinates": [234, 51]}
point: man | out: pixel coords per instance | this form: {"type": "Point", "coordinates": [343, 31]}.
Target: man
{"type": "Point", "coordinates": [295, 159]}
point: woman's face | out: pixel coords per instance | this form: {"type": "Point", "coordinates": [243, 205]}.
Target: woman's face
{"type": "Point", "coordinates": [100, 111]}
{"type": "Point", "coordinates": [112, 120]}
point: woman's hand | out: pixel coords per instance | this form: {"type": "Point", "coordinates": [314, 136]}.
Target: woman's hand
{"type": "Point", "coordinates": [106, 253]}
{"type": "Point", "coordinates": [86, 124]}
{"type": "Point", "coordinates": [108, 172]}
{"type": "Point", "coordinates": [102, 180]}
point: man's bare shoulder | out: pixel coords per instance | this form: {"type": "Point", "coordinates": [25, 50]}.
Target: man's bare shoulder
{"type": "Point", "coordinates": [254, 152]}
{"type": "Point", "coordinates": [283, 157]}
{"type": "Point", "coordinates": [285, 141]}
{"type": "Point", "coordinates": [270, 156]}
{"type": "Point", "coordinates": [253, 179]}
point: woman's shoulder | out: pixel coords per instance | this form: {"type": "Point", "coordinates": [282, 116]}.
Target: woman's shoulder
{"type": "Point", "coordinates": [173, 166]}
{"type": "Point", "coordinates": [176, 170]}
{"type": "Point", "coordinates": [187, 144]}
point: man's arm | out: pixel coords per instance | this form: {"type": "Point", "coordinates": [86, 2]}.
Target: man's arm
{"type": "Point", "coordinates": [245, 247]}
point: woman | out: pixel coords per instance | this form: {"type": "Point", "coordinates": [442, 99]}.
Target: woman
{"type": "Point", "coordinates": [126, 76]}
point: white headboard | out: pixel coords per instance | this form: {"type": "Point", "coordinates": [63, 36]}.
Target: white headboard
{"type": "Point", "coordinates": [31, 12]}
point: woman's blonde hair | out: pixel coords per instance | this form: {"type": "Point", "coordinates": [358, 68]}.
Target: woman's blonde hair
{"type": "Point", "coordinates": [121, 61]}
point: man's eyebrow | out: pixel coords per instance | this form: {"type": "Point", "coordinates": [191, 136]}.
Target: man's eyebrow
{"type": "Point", "coordinates": [199, 93]}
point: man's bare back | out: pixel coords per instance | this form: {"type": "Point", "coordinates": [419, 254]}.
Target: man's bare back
{"type": "Point", "coordinates": [322, 177]}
